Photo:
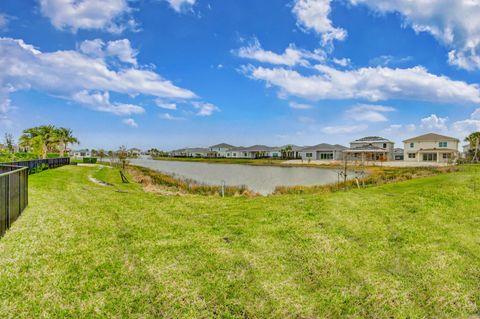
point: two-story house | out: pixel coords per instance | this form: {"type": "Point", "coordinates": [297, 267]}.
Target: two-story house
{"type": "Point", "coordinates": [221, 150]}
{"type": "Point", "coordinates": [371, 148]}
{"type": "Point", "coordinates": [431, 148]}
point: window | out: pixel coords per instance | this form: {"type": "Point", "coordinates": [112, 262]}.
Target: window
{"type": "Point", "coordinates": [384, 145]}
{"type": "Point", "coordinates": [446, 155]}
{"type": "Point", "coordinates": [430, 157]}
{"type": "Point", "coordinates": [411, 155]}
{"type": "Point", "coordinates": [442, 144]}
{"type": "Point", "coordinates": [275, 154]}
{"type": "Point", "coordinates": [309, 154]}
{"type": "Point", "coordinates": [412, 145]}
{"type": "Point", "coordinates": [325, 156]}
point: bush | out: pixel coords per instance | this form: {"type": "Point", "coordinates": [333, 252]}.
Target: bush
{"type": "Point", "coordinates": [39, 168]}
{"type": "Point", "coordinates": [89, 160]}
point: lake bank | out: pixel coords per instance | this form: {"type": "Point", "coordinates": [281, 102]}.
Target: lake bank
{"type": "Point", "coordinates": [260, 179]}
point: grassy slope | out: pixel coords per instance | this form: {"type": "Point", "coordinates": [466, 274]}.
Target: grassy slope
{"type": "Point", "coordinates": [402, 250]}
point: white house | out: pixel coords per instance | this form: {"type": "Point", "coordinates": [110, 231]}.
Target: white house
{"type": "Point", "coordinates": [221, 149]}
{"type": "Point", "coordinates": [192, 152]}
{"type": "Point", "coordinates": [431, 148]}
{"type": "Point", "coordinates": [255, 151]}
{"type": "Point", "coordinates": [80, 154]}
{"type": "Point", "coordinates": [322, 152]}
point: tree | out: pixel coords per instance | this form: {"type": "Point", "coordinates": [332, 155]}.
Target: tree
{"type": "Point", "coordinates": [474, 140]}
{"type": "Point", "coordinates": [101, 154]}
{"type": "Point", "coordinates": [41, 139]}
{"type": "Point", "coordinates": [287, 151]}
{"type": "Point", "coordinates": [65, 137]}
{"type": "Point", "coordinates": [9, 142]}
{"type": "Point", "coordinates": [122, 155]}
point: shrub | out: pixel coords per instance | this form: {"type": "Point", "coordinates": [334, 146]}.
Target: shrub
{"type": "Point", "coordinates": [146, 176]}
{"type": "Point", "coordinates": [38, 168]}
{"type": "Point", "coordinates": [90, 160]}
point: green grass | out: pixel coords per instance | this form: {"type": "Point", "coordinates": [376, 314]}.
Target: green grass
{"type": "Point", "coordinates": [81, 250]}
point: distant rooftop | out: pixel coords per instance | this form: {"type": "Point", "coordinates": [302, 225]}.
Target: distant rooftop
{"type": "Point", "coordinates": [324, 147]}
{"type": "Point", "coordinates": [431, 137]}
{"type": "Point", "coordinates": [222, 145]}
{"type": "Point", "coordinates": [372, 139]}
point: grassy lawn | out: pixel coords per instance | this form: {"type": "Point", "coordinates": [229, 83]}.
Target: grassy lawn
{"type": "Point", "coordinates": [82, 250]}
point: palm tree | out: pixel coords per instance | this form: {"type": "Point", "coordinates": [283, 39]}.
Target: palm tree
{"type": "Point", "coordinates": [40, 138]}
{"type": "Point", "coordinates": [101, 154]}
{"type": "Point", "coordinates": [65, 137]}
{"type": "Point", "coordinates": [287, 151]}
{"type": "Point", "coordinates": [474, 140]}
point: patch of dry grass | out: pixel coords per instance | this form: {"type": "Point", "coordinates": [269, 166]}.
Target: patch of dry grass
{"type": "Point", "coordinates": [165, 184]}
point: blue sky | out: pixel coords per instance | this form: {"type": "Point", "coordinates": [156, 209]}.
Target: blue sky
{"type": "Point", "coordinates": [175, 73]}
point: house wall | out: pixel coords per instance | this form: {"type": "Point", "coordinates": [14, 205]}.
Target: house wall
{"type": "Point", "coordinates": [239, 154]}
{"type": "Point", "coordinates": [417, 146]}
{"type": "Point", "coordinates": [317, 155]}
{"type": "Point", "coordinates": [274, 154]}
{"type": "Point", "coordinates": [221, 151]}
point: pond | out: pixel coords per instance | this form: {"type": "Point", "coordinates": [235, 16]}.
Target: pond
{"type": "Point", "coordinates": [260, 179]}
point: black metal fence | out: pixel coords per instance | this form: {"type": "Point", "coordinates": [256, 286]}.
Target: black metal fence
{"type": "Point", "coordinates": [50, 162]}
{"type": "Point", "coordinates": [13, 194]}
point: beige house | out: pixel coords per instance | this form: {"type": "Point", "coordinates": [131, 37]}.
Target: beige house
{"type": "Point", "coordinates": [431, 148]}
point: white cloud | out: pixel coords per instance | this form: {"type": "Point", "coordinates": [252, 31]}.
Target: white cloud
{"type": "Point", "coordinates": [205, 109]}
{"type": "Point", "coordinates": [434, 122]}
{"type": "Point", "coordinates": [180, 5]}
{"type": "Point", "coordinates": [385, 60]}
{"type": "Point", "coordinates": [306, 120]}
{"type": "Point", "coordinates": [465, 127]}
{"type": "Point", "coordinates": [400, 129]}
{"type": "Point", "coordinates": [121, 49]}
{"type": "Point", "coordinates": [130, 122]}
{"type": "Point", "coordinates": [344, 129]}
{"type": "Point", "coordinates": [291, 57]}
{"type": "Point", "coordinates": [169, 117]}
{"type": "Point", "coordinates": [393, 128]}
{"type": "Point", "coordinates": [299, 106]}
{"type": "Point", "coordinates": [93, 47]}
{"type": "Point", "coordinates": [76, 76]}
{"type": "Point", "coordinates": [342, 62]}
{"type": "Point", "coordinates": [410, 127]}
{"type": "Point", "coordinates": [369, 112]}
{"type": "Point", "coordinates": [454, 23]}
{"type": "Point", "coordinates": [101, 102]}
{"type": "Point", "coordinates": [108, 15]}
{"type": "Point", "coordinates": [314, 15]}
{"type": "Point", "coordinates": [372, 84]}
{"type": "Point", "coordinates": [4, 19]}
{"type": "Point", "coordinates": [165, 105]}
